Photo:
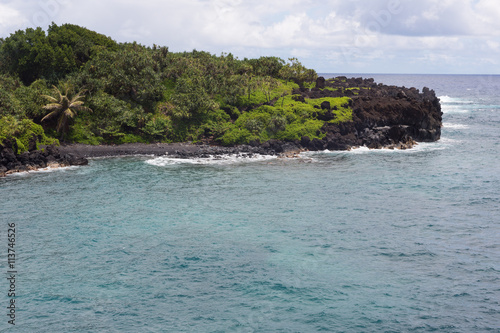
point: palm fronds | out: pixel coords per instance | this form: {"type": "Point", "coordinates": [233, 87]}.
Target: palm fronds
{"type": "Point", "coordinates": [64, 107]}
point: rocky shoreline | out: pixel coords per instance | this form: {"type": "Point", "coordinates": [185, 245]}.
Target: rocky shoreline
{"type": "Point", "coordinates": [48, 157]}
{"type": "Point", "coordinates": [383, 117]}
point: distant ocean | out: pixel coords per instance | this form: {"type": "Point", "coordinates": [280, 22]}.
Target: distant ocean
{"type": "Point", "coordinates": [358, 241]}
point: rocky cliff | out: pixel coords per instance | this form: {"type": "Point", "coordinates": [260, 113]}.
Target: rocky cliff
{"type": "Point", "coordinates": [383, 116]}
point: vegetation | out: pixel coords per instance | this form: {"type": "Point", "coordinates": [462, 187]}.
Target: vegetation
{"type": "Point", "coordinates": [64, 108]}
{"type": "Point", "coordinates": [22, 131]}
{"type": "Point", "coordinates": [148, 94]}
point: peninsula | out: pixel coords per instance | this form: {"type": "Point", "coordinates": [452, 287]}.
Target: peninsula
{"type": "Point", "coordinates": [84, 95]}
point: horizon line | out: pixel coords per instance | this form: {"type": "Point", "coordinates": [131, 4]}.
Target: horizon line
{"type": "Point", "coordinates": [362, 73]}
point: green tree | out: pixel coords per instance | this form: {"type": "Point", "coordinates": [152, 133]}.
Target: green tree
{"type": "Point", "coordinates": [31, 54]}
{"type": "Point", "coordinates": [27, 54]}
{"type": "Point", "coordinates": [191, 99]}
{"type": "Point", "coordinates": [64, 108]}
{"type": "Point", "coordinates": [31, 99]}
{"type": "Point", "coordinates": [129, 74]}
{"type": "Point", "coordinates": [267, 85]}
{"type": "Point", "coordinates": [82, 43]}
{"type": "Point", "coordinates": [9, 105]}
{"type": "Point", "coordinates": [266, 66]}
{"type": "Point", "coordinates": [297, 72]}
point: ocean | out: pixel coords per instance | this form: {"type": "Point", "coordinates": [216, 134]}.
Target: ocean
{"type": "Point", "coordinates": [357, 241]}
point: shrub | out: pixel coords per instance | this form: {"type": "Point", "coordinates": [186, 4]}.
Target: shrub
{"type": "Point", "coordinates": [237, 136]}
{"type": "Point", "coordinates": [82, 134]}
{"type": "Point", "coordinates": [157, 127]}
{"type": "Point", "coordinates": [295, 131]}
{"type": "Point", "coordinates": [23, 131]}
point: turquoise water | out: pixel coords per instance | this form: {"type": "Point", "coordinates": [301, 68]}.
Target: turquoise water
{"type": "Point", "coordinates": [360, 241]}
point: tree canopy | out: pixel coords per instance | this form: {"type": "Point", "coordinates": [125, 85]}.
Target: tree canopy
{"type": "Point", "coordinates": [141, 93]}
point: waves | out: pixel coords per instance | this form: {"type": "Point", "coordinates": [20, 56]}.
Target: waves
{"type": "Point", "coordinates": [455, 105]}
{"type": "Point", "coordinates": [455, 126]}
{"type": "Point", "coordinates": [419, 148]}
{"type": "Point", "coordinates": [44, 170]}
{"type": "Point", "coordinates": [309, 156]}
{"type": "Point", "coordinates": [227, 159]}
{"type": "Point", "coordinates": [453, 100]}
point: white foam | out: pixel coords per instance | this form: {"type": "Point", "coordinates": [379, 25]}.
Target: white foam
{"type": "Point", "coordinates": [454, 126]}
{"type": "Point", "coordinates": [43, 170]}
{"type": "Point", "coordinates": [212, 160]}
{"type": "Point", "coordinates": [453, 109]}
{"type": "Point", "coordinates": [444, 143]}
{"type": "Point", "coordinates": [454, 105]}
{"type": "Point", "coordinates": [453, 100]}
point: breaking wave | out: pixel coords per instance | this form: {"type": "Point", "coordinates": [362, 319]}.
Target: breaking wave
{"type": "Point", "coordinates": [211, 160]}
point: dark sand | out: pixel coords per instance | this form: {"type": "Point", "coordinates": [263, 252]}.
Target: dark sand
{"type": "Point", "coordinates": [128, 149]}
{"type": "Point", "coordinates": [159, 149]}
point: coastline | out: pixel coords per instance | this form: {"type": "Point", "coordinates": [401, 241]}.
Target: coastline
{"type": "Point", "coordinates": [77, 154]}
{"type": "Point", "coordinates": [181, 149]}
{"type": "Point", "coordinates": [190, 150]}
{"type": "Point", "coordinates": [382, 117]}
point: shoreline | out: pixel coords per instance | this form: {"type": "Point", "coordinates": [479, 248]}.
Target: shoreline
{"type": "Point", "coordinates": [183, 149]}
{"type": "Point", "coordinates": [77, 154]}
{"type": "Point", "coordinates": [190, 150]}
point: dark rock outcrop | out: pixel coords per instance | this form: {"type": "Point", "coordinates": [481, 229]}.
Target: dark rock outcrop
{"type": "Point", "coordinates": [320, 82]}
{"type": "Point", "coordinates": [10, 162]}
{"type": "Point", "coordinates": [383, 116]}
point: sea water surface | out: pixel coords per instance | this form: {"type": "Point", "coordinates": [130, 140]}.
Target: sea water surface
{"type": "Point", "coordinates": [359, 241]}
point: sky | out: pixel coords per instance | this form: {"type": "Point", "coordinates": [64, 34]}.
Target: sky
{"type": "Point", "coordinates": [330, 36]}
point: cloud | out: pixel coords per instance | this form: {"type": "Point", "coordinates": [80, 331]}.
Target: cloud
{"type": "Point", "coordinates": [486, 16]}
{"type": "Point", "coordinates": [10, 19]}
{"type": "Point", "coordinates": [330, 34]}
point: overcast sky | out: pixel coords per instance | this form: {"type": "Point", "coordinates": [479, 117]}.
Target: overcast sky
{"type": "Point", "coordinates": [331, 36]}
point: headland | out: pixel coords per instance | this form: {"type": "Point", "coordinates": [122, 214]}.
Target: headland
{"type": "Point", "coordinates": [383, 116]}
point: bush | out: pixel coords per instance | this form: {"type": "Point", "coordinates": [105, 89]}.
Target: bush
{"type": "Point", "coordinates": [82, 134]}
{"type": "Point", "coordinates": [111, 114]}
{"type": "Point", "coordinates": [157, 127]}
{"type": "Point", "coordinates": [236, 136]}
{"type": "Point", "coordinates": [295, 131]}
{"type": "Point", "coordinates": [23, 131]}
{"type": "Point", "coordinates": [31, 100]}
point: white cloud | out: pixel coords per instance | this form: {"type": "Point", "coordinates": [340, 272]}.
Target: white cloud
{"type": "Point", "coordinates": [493, 45]}
{"type": "Point", "coordinates": [301, 53]}
{"type": "Point", "coordinates": [10, 19]}
{"type": "Point", "coordinates": [487, 17]}
{"type": "Point", "coordinates": [355, 34]}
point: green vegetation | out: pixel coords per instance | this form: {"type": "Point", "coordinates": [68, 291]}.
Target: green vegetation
{"type": "Point", "coordinates": [23, 131]}
{"type": "Point", "coordinates": [64, 108]}
{"type": "Point", "coordinates": [148, 94]}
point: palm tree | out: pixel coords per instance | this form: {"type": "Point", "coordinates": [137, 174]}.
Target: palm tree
{"type": "Point", "coordinates": [64, 107]}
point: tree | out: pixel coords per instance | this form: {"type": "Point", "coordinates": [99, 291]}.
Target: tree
{"type": "Point", "coordinates": [27, 54]}
{"type": "Point", "coordinates": [266, 66]}
{"type": "Point", "coordinates": [64, 108]}
{"type": "Point", "coordinates": [82, 42]}
{"type": "Point", "coordinates": [129, 74]}
{"type": "Point", "coordinates": [32, 54]}
{"type": "Point", "coordinates": [297, 72]}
